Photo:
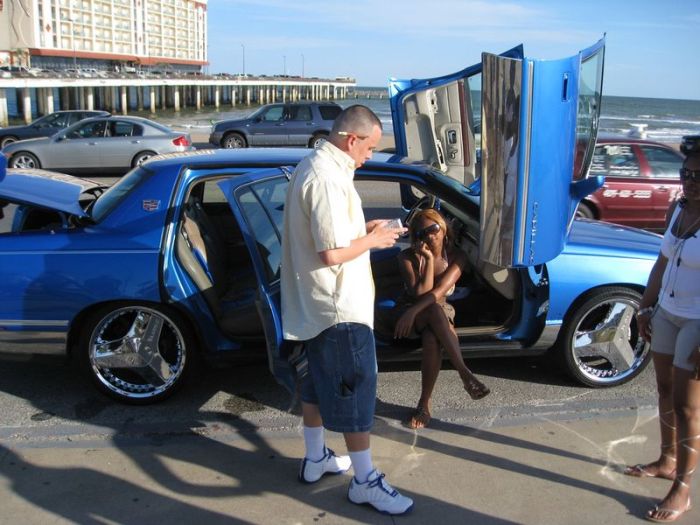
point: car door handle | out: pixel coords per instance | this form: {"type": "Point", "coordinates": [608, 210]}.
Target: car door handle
{"type": "Point", "coordinates": [136, 142]}
{"type": "Point", "coordinates": [92, 143]}
{"type": "Point", "coordinates": [663, 188]}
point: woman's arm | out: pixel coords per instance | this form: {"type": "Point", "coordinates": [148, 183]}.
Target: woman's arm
{"type": "Point", "coordinates": [417, 282]}
{"type": "Point", "coordinates": [446, 280]}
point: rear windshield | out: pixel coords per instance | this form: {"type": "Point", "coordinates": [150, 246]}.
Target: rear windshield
{"type": "Point", "coordinates": [111, 198]}
{"type": "Point", "coordinates": [329, 112]}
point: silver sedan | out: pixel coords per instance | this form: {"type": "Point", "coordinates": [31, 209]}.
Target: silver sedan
{"type": "Point", "coordinates": [108, 144]}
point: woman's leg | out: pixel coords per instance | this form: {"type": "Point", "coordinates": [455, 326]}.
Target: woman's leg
{"type": "Point", "coordinates": [665, 466]}
{"type": "Point", "coordinates": [434, 318]}
{"type": "Point", "coordinates": [686, 403]}
{"type": "Point", "coordinates": [431, 361]}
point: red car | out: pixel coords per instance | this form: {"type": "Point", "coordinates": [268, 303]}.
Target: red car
{"type": "Point", "coordinates": [641, 178]}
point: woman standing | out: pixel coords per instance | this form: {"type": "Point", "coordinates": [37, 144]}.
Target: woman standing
{"type": "Point", "coordinates": [669, 316]}
{"type": "Point", "coordinates": [430, 268]}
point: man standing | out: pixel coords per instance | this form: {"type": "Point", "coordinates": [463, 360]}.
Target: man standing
{"type": "Point", "coordinates": [328, 302]}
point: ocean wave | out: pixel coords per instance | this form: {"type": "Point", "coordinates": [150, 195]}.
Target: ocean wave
{"type": "Point", "coordinates": [651, 118]}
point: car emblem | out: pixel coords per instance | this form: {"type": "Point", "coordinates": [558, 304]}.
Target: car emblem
{"type": "Point", "coordinates": [151, 205]}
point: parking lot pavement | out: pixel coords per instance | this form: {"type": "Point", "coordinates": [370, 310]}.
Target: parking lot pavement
{"type": "Point", "coordinates": [543, 471]}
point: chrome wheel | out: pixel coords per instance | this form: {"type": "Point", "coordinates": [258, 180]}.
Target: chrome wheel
{"type": "Point", "coordinates": [234, 141]}
{"type": "Point", "coordinates": [24, 160]}
{"type": "Point", "coordinates": [600, 340]}
{"type": "Point", "coordinates": [142, 157]}
{"type": "Point", "coordinates": [584, 211]}
{"type": "Point", "coordinates": [317, 140]}
{"type": "Point", "coordinates": [7, 140]}
{"type": "Point", "coordinates": [138, 354]}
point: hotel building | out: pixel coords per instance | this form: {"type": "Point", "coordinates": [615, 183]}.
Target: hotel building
{"type": "Point", "coordinates": [104, 34]}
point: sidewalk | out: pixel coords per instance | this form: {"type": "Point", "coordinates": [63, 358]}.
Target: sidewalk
{"type": "Point", "coordinates": [542, 472]}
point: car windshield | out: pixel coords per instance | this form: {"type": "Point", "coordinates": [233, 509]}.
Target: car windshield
{"type": "Point", "coordinates": [114, 195]}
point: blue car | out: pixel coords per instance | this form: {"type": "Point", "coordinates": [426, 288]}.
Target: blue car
{"type": "Point", "coordinates": [181, 257]}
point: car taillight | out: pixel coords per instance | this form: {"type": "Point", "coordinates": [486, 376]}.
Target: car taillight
{"type": "Point", "coordinates": [182, 140]}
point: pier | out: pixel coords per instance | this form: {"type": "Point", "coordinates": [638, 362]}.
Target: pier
{"type": "Point", "coordinates": [43, 95]}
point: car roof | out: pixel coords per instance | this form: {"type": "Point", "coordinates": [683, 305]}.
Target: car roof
{"type": "Point", "coordinates": [258, 157]}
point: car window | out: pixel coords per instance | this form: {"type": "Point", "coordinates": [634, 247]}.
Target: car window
{"type": "Point", "coordinates": [615, 160]}
{"type": "Point", "coordinates": [299, 113]}
{"type": "Point", "coordinates": [262, 204]}
{"type": "Point", "coordinates": [111, 198]}
{"type": "Point", "coordinates": [119, 128]}
{"type": "Point", "coordinates": [589, 98]}
{"type": "Point", "coordinates": [57, 120]}
{"type": "Point", "coordinates": [88, 130]}
{"type": "Point", "coordinates": [329, 112]}
{"type": "Point", "coordinates": [274, 114]}
{"type": "Point", "coordinates": [663, 163]}
{"type": "Point", "coordinates": [212, 193]}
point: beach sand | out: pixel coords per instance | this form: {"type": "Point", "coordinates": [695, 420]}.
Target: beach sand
{"type": "Point", "coordinates": [201, 141]}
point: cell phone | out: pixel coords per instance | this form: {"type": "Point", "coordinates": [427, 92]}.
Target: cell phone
{"type": "Point", "coordinates": [394, 224]}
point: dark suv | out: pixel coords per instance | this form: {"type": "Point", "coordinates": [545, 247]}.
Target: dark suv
{"type": "Point", "coordinates": [46, 125]}
{"type": "Point", "coordinates": [641, 179]}
{"type": "Point", "coordinates": [295, 124]}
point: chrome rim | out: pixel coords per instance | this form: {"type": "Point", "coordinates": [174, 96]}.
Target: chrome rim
{"type": "Point", "coordinates": [318, 142]}
{"type": "Point", "coordinates": [233, 142]}
{"type": "Point", "coordinates": [137, 352]}
{"type": "Point", "coordinates": [24, 161]}
{"type": "Point", "coordinates": [143, 158]}
{"type": "Point", "coordinates": [606, 345]}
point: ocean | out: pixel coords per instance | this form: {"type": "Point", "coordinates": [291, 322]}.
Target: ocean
{"type": "Point", "coordinates": [663, 120]}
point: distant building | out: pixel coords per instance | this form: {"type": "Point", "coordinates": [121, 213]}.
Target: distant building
{"type": "Point", "coordinates": [104, 34]}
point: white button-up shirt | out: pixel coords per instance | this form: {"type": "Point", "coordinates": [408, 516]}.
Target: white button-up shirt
{"type": "Point", "coordinates": [322, 212]}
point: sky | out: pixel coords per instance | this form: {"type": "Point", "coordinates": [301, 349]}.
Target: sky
{"type": "Point", "coordinates": [651, 45]}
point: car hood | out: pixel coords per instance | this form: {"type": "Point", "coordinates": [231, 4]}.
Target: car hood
{"type": "Point", "coordinates": [14, 146]}
{"type": "Point", "coordinates": [55, 191]}
{"type": "Point", "coordinates": [589, 236]}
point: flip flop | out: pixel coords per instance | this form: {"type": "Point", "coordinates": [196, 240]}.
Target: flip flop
{"type": "Point", "coordinates": [419, 419]}
{"type": "Point", "coordinates": [476, 389]}
{"type": "Point", "coordinates": [640, 471]}
{"type": "Point", "coordinates": [673, 514]}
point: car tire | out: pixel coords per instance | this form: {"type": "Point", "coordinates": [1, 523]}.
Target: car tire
{"type": "Point", "coordinates": [113, 352]}
{"type": "Point", "coordinates": [142, 157]}
{"type": "Point", "coordinates": [25, 160]}
{"type": "Point", "coordinates": [599, 344]}
{"type": "Point", "coordinates": [585, 211]}
{"type": "Point", "coordinates": [233, 141]}
{"type": "Point", "coordinates": [317, 140]}
{"type": "Point", "coordinates": [8, 139]}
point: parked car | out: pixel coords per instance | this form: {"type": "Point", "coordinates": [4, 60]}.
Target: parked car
{"type": "Point", "coordinates": [641, 179]}
{"type": "Point", "coordinates": [296, 124]}
{"type": "Point", "coordinates": [182, 255]}
{"type": "Point", "coordinates": [104, 144]}
{"type": "Point", "coordinates": [45, 126]}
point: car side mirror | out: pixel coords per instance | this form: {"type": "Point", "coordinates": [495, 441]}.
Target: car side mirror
{"type": "Point", "coordinates": [257, 119]}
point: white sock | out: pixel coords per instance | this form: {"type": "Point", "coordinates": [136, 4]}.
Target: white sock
{"type": "Point", "coordinates": [315, 443]}
{"type": "Point", "coordinates": [361, 464]}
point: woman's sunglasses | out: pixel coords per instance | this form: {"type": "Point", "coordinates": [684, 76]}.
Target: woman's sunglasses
{"type": "Point", "coordinates": [687, 174]}
{"type": "Point", "coordinates": [422, 234]}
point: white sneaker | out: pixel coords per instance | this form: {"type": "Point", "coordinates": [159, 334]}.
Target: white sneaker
{"type": "Point", "coordinates": [379, 494]}
{"type": "Point", "coordinates": [312, 471]}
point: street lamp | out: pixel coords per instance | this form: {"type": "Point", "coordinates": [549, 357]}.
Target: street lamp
{"type": "Point", "coordinates": [72, 38]}
{"type": "Point", "coordinates": [242, 46]}
{"type": "Point", "coordinates": [284, 59]}
{"type": "Point", "coordinates": [302, 65]}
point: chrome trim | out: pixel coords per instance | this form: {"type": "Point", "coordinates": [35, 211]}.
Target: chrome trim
{"type": "Point", "coordinates": [501, 146]}
{"type": "Point", "coordinates": [525, 182]}
{"type": "Point", "coordinates": [19, 322]}
{"type": "Point", "coordinates": [27, 342]}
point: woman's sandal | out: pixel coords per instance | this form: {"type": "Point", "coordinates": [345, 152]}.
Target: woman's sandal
{"type": "Point", "coordinates": [476, 389]}
{"type": "Point", "coordinates": [673, 514]}
{"type": "Point", "coordinates": [419, 419]}
{"type": "Point", "coordinates": [640, 471]}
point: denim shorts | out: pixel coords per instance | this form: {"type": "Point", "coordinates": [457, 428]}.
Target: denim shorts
{"type": "Point", "coordinates": [676, 336]}
{"type": "Point", "coordinates": [342, 378]}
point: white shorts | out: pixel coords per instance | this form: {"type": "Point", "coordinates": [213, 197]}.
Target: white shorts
{"type": "Point", "coordinates": [676, 336]}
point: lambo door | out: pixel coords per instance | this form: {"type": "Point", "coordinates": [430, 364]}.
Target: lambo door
{"type": "Point", "coordinates": [520, 132]}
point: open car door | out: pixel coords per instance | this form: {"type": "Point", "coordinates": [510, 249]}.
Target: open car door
{"type": "Point", "coordinates": [257, 202]}
{"type": "Point", "coordinates": [520, 132]}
